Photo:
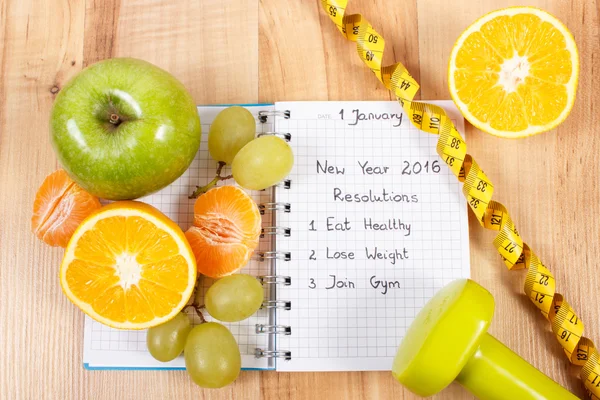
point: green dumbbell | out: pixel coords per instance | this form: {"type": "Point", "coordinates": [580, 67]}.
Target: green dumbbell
{"type": "Point", "coordinates": [448, 341]}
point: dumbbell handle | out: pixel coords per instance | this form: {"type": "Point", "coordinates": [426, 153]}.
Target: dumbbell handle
{"type": "Point", "coordinates": [495, 372]}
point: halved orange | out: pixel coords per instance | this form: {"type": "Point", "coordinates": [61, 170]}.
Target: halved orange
{"type": "Point", "coordinates": [226, 230]}
{"type": "Point", "coordinates": [59, 207]}
{"type": "Point", "coordinates": [513, 73]}
{"type": "Point", "coordinates": [128, 266]}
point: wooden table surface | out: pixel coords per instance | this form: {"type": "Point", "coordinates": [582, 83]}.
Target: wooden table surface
{"type": "Point", "coordinates": [228, 51]}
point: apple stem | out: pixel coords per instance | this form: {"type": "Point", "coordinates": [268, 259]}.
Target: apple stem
{"type": "Point", "coordinates": [203, 189]}
{"type": "Point", "coordinates": [114, 119]}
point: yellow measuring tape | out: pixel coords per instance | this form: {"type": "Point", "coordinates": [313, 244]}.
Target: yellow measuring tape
{"type": "Point", "coordinates": [539, 284]}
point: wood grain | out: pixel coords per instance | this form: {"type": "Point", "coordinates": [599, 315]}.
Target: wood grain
{"type": "Point", "coordinates": [310, 68]}
{"type": "Point", "coordinates": [100, 31]}
{"type": "Point", "coordinates": [248, 50]}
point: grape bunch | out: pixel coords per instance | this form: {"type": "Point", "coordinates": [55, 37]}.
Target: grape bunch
{"type": "Point", "coordinates": [212, 356]}
{"type": "Point", "coordinates": [256, 163]}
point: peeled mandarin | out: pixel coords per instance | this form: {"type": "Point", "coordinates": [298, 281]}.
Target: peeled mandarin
{"type": "Point", "coordinates": [60, 206]}
{"type": "Point", "coordinates": [226, 230]}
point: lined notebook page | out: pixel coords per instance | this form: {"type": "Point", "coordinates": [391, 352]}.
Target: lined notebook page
{"type": "Point", "coordinates": [378, 225]}
{"type": "Point", "coordinates": [107, 348]}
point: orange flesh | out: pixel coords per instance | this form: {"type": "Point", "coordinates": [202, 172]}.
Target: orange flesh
{"type": "Point", "coordinates": [514, 73]}
{"type": "Point", "coordinates": [127, 269]}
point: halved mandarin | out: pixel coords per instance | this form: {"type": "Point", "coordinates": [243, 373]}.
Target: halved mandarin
{"type": "Point", "coordinates": [128, 266]}
{"type": "Point", "coordinates": [59, 207]}
{"type": "Point", "coordinates": [226, 231]}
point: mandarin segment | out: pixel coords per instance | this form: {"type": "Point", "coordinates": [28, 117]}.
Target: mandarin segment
{"type": "Point", "coordinates": [229, 203]}
{"type": "Point", "coordinates": [49, 193]}
{"type": "Point", "coordinates": [59, 207]}
{"type": "Point", "coordinates": [226, 230]}
{"type": "Point", "coordinates": [48, 196]}
{"type": "Point", "coordinates": [219, 230]}
{"type": "Point", "coordinates": [128, 266]}
{"type": "Point", "coordinates": [217, 259]}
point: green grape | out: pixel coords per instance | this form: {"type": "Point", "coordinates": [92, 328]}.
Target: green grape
{"type": "Point", "coordinates": [234, 298]}
{"type": "Point", "coordinates": [212, 356]}
{"type": "Point", "coordinates": [231, 130]}
{"type": "Point", "coordinates": [166, 341]}
{"type": "Point", "coordinates": [263, 162]}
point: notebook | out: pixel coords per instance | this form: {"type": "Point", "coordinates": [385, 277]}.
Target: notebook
{"type": "Point", "coordinates": [369, 224]}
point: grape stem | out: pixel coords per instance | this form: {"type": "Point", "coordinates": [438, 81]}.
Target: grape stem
{"type": "Point", "coordinates": [199, 313]}
{"type": "Point", "coordinates": [203, 189]}
{"type": "Point", "coordinates": [198, 309]}
{"type": "Point", "coordinates": [195, 303]}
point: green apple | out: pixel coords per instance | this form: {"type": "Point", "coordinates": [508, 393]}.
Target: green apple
{"type": "Point", "coordinates": [124, 128]}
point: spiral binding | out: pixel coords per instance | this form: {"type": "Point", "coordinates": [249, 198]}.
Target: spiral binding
{"type": "Point", "coordinates": [286, 355]}
{"type": "Point", "coordinates": [275, 230]}
{"type": "Point", "coordinates": [274, 329]}
{"type": "Point", "coordinates": [285, 207]}
{"type": "Point", "coordinates": [264, 115]}
{"type": "Point", "coordinates": [273, 280]}
{"type": "Point", "coordinates": [284, 135]}
{"type": "Point", "coordinates": [284, 184]}
{"type": "Point", "coordinates": [273, 255]}
{"type": "Point", "coordinates": [279, 304]}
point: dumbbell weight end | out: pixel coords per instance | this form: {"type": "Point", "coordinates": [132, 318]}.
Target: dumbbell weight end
{"type": "Point", "coordinates": [448, 341]}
